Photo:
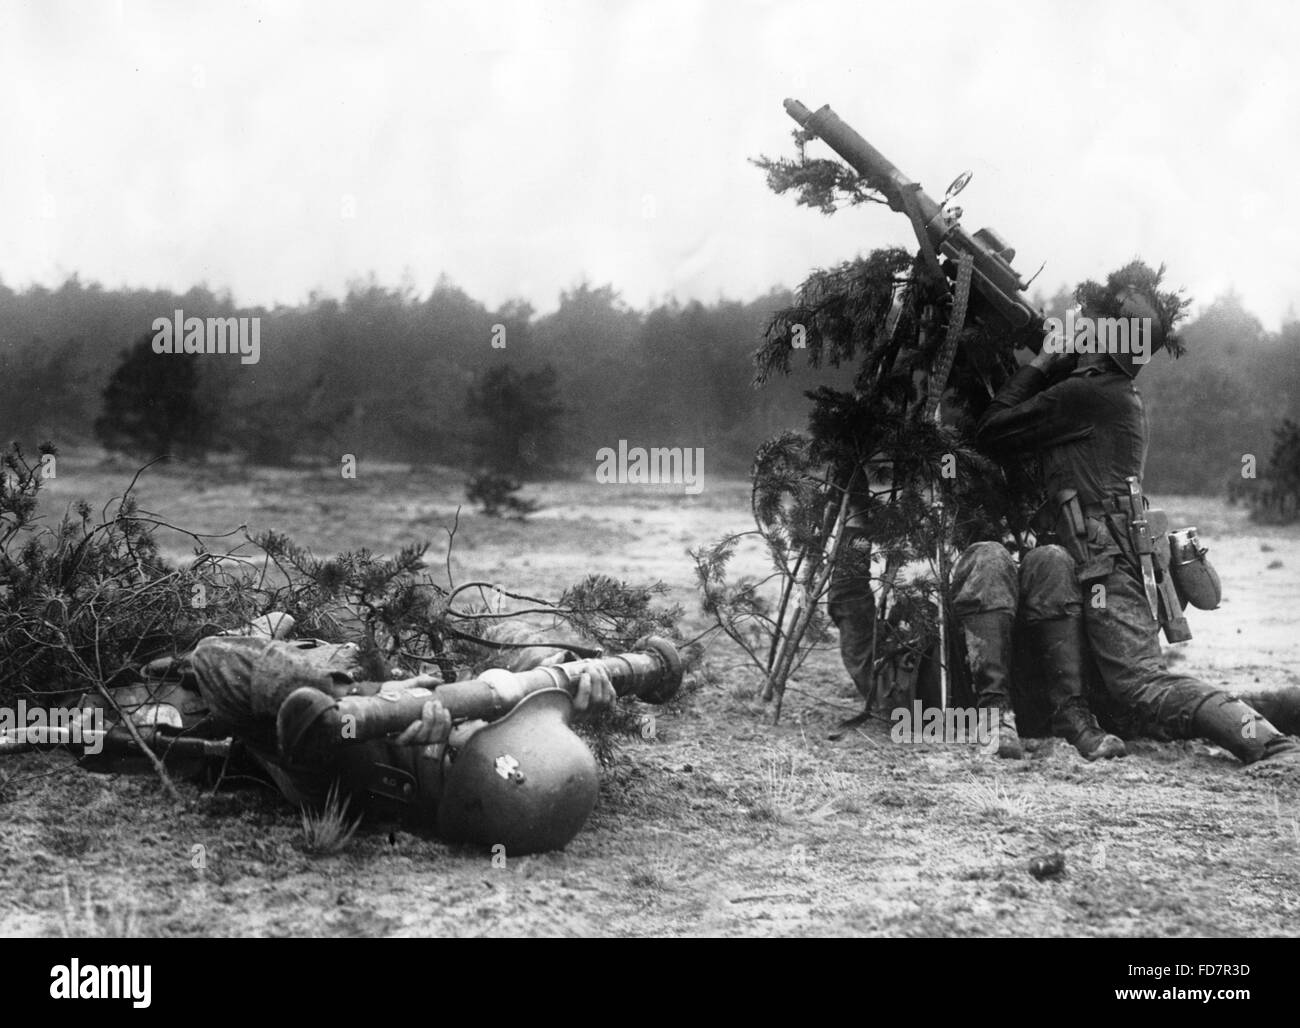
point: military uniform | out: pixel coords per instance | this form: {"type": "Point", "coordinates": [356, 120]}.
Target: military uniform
{"type": "Point", "coordinates": [1090, 434]}
{"type": "Point", "coordinates": [246, 678]}
{"type": "Point", "coordinates": [852, 607]}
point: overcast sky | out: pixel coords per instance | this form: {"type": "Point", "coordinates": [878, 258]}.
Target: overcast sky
{"type": "Point", "coordinates": [279, 148]}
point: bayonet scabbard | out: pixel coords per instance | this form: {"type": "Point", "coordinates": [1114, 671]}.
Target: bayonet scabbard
{"type": "Point", "coordinates": [1139, 530]}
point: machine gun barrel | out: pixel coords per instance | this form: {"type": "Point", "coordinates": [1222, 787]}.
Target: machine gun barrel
{"type": "Point", "coordinates": [864, 158]}
{"type": "Point", "coordinates": [937, 231]}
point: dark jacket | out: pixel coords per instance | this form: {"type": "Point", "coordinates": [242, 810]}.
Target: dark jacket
{"type": "Point", "coordinates": [1089, 431]}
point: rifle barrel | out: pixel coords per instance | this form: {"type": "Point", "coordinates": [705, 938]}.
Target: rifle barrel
{"type": "Point", "coordinates": [116, 739]}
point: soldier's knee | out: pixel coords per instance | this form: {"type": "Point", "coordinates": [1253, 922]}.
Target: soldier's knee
{"type": "Point", "coordinates": [985, 579]}
{"type": "Point", "coordinates": [1049, 559]}
{"type": "Point", "coordinates": [1048, 584]}
{"type": "Point", "coordinates": [985, 558]}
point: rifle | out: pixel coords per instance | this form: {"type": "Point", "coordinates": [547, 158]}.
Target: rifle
{"type": "Point", "coordinates": [310, 721]}
{"type": "Point", "coordinates": [938, 229]}
{"type": "Point", "coordinates": [116, 741]}
{"type": "Point", "coordinates": [171, 720]}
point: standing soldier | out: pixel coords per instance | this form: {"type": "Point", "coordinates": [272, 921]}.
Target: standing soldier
{"type": "Point", "coordinates": [1089, 432]}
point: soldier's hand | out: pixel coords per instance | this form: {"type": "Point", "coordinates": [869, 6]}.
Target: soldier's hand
{"type": "Point", "coordinates": [1055, 364]}
{"type": "Point", "coordinates": [595, 692]}
{"type": "Point", "coordinates": [430, 731]}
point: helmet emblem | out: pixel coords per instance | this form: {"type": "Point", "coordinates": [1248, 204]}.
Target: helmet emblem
{"type": "Point", "coordinates": [508, 768]}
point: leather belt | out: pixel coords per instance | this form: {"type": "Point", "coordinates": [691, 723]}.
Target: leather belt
{"type": "Point", "coordinates": [1113, 505]}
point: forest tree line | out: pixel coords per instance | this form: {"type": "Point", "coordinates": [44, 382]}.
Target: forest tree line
{"type": "Point", "coordinates": [385, 373]}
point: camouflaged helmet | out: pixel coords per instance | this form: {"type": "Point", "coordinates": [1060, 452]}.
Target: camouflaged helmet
{"type": "Point", "coordinates": [525, 782]}
{"type": "Point", "coordinates": [1133, 293]}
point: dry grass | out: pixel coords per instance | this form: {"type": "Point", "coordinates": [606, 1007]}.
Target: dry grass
{"type": "Point", "coordinates": [1289, 826]}
{"type": "Point", "coordinates": [795, 788]}
{"type": "Point", "coordinates": [995, 802]}
{"type": "Point", "coordinates": [97, 920]}
{"type": "Point", "coordinates": [867, 839]}
{"type": "Point", "coordinates": [328, 830]}
{"type": "Point", "coordinates": [663, 869]}
{"type": "Point", "coordinates": [782, 793]}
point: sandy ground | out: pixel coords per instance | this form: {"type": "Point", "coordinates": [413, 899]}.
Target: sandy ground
{"type": "Point", "coordinates": [721, 825]}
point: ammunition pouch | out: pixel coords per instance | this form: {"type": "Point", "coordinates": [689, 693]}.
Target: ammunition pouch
{"type": "Point", "coordinates": [1071, 528]}
{"type": "Point", "coordinates": [897, 679]}
{"type": "Point", "coordinates": [908, 669]}
{"type": "Point", "coordinates": [1085, 534]}
{"type": "Point", "coordinates": [391, 783]}
{"type": "Point", "coordinates": [378, 778]}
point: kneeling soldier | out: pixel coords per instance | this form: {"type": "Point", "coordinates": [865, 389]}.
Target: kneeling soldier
{"type": "Point", "coordinates": [1090, 433]}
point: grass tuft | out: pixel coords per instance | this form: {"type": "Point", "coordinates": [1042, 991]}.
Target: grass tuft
{"type": "Point", "coordinates": [995, 802]}
{"type": "Point", "coordinates": [86, 923]}
{"type": "Point", "coordinates": [783, 792]}
{"type": "Point", "coordinates": [328, 830]}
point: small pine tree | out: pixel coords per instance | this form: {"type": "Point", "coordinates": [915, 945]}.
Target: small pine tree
{"type": "Point", "coordinates": [519, 415]}
{"type": "Point", "coordinates": [920, 491]}
{"type": "Point", "coordinates": [152, 404]}
{"type": "Point", "coordinates": [1278, 500]}
{"type": "Point", "coordinates": [495, 495]}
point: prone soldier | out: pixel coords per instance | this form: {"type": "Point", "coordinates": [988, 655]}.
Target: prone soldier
{"type": "Point", "coordinates": [488, 760]}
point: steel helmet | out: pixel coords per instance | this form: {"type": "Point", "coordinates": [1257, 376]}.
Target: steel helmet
{"type": "Point", "coordinates": [525, 782]}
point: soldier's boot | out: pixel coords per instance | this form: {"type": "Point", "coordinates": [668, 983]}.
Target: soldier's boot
{"type": "Point", "coordinates": [1243, 731]}
{"type": "Point", "coordinates": [1059, 644]}
{"type": "Point", "coordinates": [988, 655]}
